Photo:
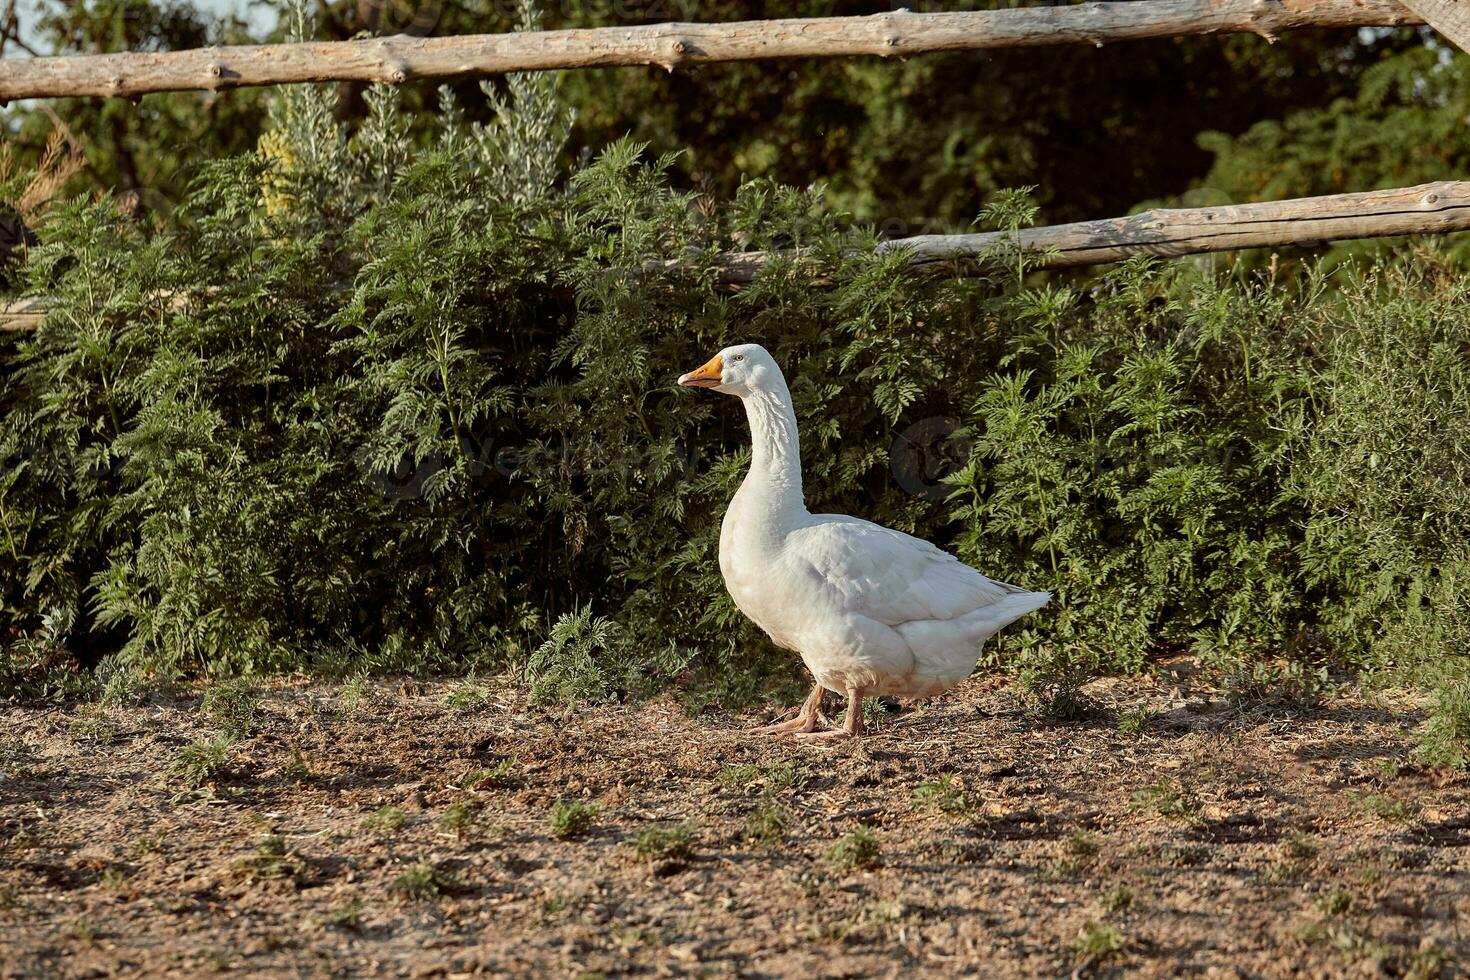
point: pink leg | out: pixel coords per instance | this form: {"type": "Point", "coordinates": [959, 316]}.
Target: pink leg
{"type": "Point", "coordinates": [808, 719]}
{"type": "Point", "coordinates": [852, 728]}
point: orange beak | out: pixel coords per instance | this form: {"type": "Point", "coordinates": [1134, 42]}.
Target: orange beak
{"type": "Point", "coordinates": [707, 376]}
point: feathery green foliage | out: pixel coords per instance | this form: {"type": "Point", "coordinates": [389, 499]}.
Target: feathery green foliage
{"type": "Point", "coordinates": [355, 405]}
{"type": "Point", "coordinates": [1444, 738]}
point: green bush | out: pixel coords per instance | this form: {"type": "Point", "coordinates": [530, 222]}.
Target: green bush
{"type": "Point", "coordinates": [1444, 738]}
{"type": "Point", "coordinates": [352, 407]}
{"type": "Point", "coordinates": [36, 665]}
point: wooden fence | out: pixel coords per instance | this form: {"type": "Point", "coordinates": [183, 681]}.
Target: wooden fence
{"type": "Point", "coordinates": [1426, 209]}
{"type": "Point", "coordinates": [395, 60]}
{"type": "Point", "coordinates": [1438, 207]}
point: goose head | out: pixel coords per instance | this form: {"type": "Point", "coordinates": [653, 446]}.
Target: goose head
{"type": "Point", "coordinates": [740, 370]}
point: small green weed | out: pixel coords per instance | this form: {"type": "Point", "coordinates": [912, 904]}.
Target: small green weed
{"type": "Point", "coordinates": [674, 842]}
{"type": "Point", "coordinates": [233, 704]}
{"type": "Point", "coordinates": [295, 770]}
{"type": "Point", "coordinates": [858, 849]}
{"type": "Point", "coordinates": [1051, 680]}
{"type": "Point", "coordinates": [1444, 738]}
{"type": "Point", "coordinates": [1078, 851]}
{"type": "Point", "coordinates": [385, 820]}
{"type": "Point", "coordinates": [1369, 866]}
{"type": "Point", "coordinates": [775, 778]}
{"type": "Point", "coordinates": [94, 727]}
{"type": "Point", "coordinates": [1425, 962]}
{"type": "Point", "coordinates": [221, 959]}
{"type": "Point", "coordinates": [1385, 808]}
{"type": "Point", "coordinates": [952, 850]}
{"type": "Point", "coordinates": [346, 916]}
{"type": "Point", "coordinates": [424, 882]}
{"type": "Point", "coordinates": [1388, 770]}
{"type": "Point", "coordinates": [1097, 941]}
{"type": "Point", "coordinates": [1297, 854]}
{"type": "Point", "coordinates": [1300, 848]}
{"type": "Point", "coordinates": [83, 930]}
{"type": "Point", "coordinates": [1082, 844]}
{"type": "Point", "coordinates": [467, 696]}
{"type": "Point", "coordinates": [767, 824]}
{"type": "Point", "coordinates": [1119, 898]}
{"type": "Point", "coordinates": [123, 686]}
{"type": "Point", "coordinates": [875, 711]}
{"type": "Point", "coordinates": [499, 775]}
{"type": "Point", "coordinates": [37, 664]}
{"type": "Point", "coordinates": [271, 859]}
{"type": "Point", "coordinates": [882, 913]}
{"type": "Point", "coordinates": [571, 818]}
{"type": "Point", "coordinates": [1137, 721]}
{"type": "Point", "coordinates": [202, 762]}
{"type": "Point", "coordinates": [739, 776]}
{"type": "Point", "coordinates": [461, 818]}
{"type": "Point", "coordinates": [589, 657]}
{"type": "Point", "coordinates": [353, 692]}
{"type": "Point", "coordinates": [1295, 685]}
{"type": "Point", "coordinates": [941, 794]}
{"type": "Point", "coordinates": [1163, 799]}
{"type": "Point", "coordinates": [630, 938]}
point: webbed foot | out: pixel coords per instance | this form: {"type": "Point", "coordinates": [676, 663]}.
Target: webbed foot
{"type": "Point", "coordinates": [808, 720]}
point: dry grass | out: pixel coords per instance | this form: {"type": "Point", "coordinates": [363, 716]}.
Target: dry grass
{"type": "Point", "coordinates": [433, 835]}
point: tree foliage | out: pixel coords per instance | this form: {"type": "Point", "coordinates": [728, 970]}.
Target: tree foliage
{"type": "Point", "coordinates": [909, 145]}
{"type": "Point", "coordinates": [142, 151]}
{"type": "Point", "coordinates": [1402, 124]}
{"type": "Point", "coordinates": [919, 145]}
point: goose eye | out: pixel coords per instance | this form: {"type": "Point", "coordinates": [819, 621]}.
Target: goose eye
{"type": "Point", "coordinates": [738, 357]}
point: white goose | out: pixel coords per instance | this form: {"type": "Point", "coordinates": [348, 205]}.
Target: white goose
{"type": "Point", "coordinates": [871, 610]}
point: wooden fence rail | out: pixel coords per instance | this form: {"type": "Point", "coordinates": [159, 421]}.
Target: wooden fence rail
{"type": "Point", "coordinates": [398, 59]}
{"type": "Point", "coordinates": [21, 315]}
{"type": "Point", "coordinates": [1425, 209]}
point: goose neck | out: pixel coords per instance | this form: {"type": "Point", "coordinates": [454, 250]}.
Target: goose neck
{"type": "Point", "coordinates": [775, 464]}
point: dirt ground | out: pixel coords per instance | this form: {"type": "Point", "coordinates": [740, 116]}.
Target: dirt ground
{"type": "Point", "coordinates": [426, 830]}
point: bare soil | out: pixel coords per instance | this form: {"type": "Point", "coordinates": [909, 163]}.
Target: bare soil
{"type": "Point", "coordinates": [1215, 842]}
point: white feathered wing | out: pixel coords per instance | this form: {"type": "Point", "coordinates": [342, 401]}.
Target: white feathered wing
{"type": "Point", "coordinates": [902, 595]}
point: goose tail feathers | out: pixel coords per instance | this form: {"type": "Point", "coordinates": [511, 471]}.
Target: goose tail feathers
{"type": "Point", "coordinates": [988, 620]}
